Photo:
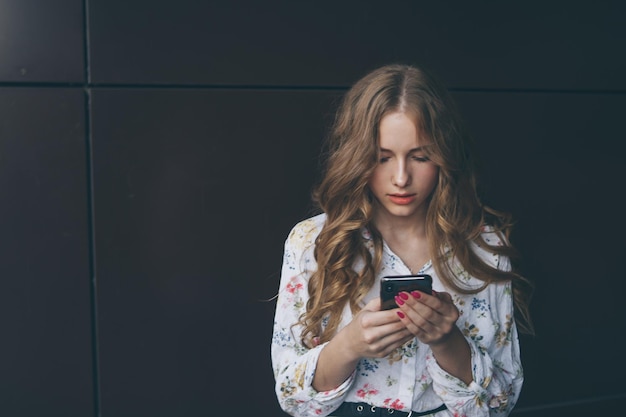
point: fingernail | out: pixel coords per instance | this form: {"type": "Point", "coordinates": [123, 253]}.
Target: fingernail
{"type": "Point", "coordinates": [400, 314]}
{"type": "Point", "coordinates": [404, 295]}
{"type": "Point", "coordinates": [398, 300]}
{"type": "Point", "coordinates": [416, 294]}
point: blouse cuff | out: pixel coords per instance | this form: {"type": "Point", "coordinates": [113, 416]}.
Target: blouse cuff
{"type": "Point", "coordinates": [456, 392]}
{"type": "Point", "coordinates": [329, 396]}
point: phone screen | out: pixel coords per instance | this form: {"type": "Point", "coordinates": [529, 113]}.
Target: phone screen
{"type": "Point", "coordinates": [391, 285]}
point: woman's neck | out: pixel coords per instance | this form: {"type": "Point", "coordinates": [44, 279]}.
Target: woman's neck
{"type": "Point", "coordinates": [401, 228]}
{"type": "Point", "coordinates": [406, 237]}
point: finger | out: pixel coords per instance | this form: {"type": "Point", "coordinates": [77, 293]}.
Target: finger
{"type": "Point", "coordinates": [431, 317]}
{"type": "Point", "coordinates": [415, 323]}
{"type": "Point", "coordinates": [373, 305]}
{"type": "Point", "coordinates": [440, 302]}
{"type": "Point", "coordinates": [378, 324]}
{"type": "Point", "coordinates": [390, 342]}
{"type": "Point", "coordinates": [426, 331]}
{"type": "Point", "coordinates": [445, 306]}
{"type": "Point", "coordinates": [444, 296]}
{"type": "Point", "coordinates": [426, 311]}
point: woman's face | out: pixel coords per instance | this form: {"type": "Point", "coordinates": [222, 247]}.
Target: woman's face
{"type": "Point", "coordinates": [404, 177]}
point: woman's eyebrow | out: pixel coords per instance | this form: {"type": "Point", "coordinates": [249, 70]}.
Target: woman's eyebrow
{"type": "Point", "coordinates": [418, 149]}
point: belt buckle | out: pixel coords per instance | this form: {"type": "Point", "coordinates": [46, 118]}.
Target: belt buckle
{"type": "Point", "coordinates": [372, 411]}
{"type": "Point", "coordinates": [390, 411]}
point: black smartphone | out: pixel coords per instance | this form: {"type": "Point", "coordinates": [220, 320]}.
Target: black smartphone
{"type": "Point", "coordinates": [391, 285]}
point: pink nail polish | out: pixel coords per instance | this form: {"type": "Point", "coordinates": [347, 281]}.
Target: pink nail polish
{"type": "Point", "coordinates": [400, 314]}
{"type": "Point", "coordinates": [399, 301]}
{"type": "Point", "coordinates": [404, 296]}
{"type": "Point", "coordinates": [416, 294]}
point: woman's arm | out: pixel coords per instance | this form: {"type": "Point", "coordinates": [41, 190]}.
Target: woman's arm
{"type": "Point", "coordinates": [293, 363]}
{"type": "Point", "coordinates": [432, 319]}
{"type": "Point", "coordinates": [497, 376]}
{"type": "Point", "coordinates": [475, 362]}
{"type": "Point", "coordinates": [370, 334]}
{"type": "Point", "coordinates": [312, 381]}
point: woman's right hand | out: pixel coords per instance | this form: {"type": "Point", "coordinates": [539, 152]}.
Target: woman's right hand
{"type": "Point", "coordinates": [372, 333]}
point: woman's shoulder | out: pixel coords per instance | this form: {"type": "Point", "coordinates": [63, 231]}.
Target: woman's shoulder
{"type": "Point", "coordinates": [489, 237]}
{"type": "Point", "coordinates": [312, 223]}
{"type": "Point", "coordinates": [306, 231]}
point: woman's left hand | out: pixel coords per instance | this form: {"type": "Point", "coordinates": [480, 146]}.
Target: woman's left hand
{"type": "Point", "coordinates": [431, 318]}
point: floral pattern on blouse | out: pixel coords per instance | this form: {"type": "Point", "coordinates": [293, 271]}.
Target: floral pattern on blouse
{"type": "Point", "coordinates": [408, 378]}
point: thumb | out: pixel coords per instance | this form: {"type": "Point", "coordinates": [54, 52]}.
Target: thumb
{"type": "Point", "coordinates": [373, 305]}
{"type": "Point", "coordinates": [445, 296]}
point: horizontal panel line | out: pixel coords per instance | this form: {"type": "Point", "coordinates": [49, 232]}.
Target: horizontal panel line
{"type": "Point", "coordinates": [251, 87]}
{"type": "Point", "coordinates": [563, 404]}
{"type": "Point", "coordinates": [535, 91]}
{"type": "Point", "coordinates": [263, 87]}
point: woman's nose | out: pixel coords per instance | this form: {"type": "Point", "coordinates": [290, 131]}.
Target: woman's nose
{"type": "Point", "coordinates": [401, 177]}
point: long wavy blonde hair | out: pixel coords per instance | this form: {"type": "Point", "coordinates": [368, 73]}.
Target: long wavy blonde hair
{"type": "Point", "coordinates": [455, 216]}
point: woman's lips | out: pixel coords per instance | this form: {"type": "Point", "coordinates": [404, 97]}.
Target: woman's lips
{"type": "Point", "coordinates": [402, 199]}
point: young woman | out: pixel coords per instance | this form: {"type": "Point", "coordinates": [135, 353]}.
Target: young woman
{"type": "Point", "coordinates": [398, 197]}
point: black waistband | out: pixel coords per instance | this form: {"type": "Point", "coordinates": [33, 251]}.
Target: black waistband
{"type": "Point", "coordinates": [366, 410]}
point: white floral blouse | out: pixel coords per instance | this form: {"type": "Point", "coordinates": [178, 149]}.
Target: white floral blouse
{"type": "Point", "coordinates": [409, 378]}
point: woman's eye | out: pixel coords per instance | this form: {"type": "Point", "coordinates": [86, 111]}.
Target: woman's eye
{"type": "Point", "coordinates": [383, 159]}
{"type": "Point", "coordinates": [421, 158]}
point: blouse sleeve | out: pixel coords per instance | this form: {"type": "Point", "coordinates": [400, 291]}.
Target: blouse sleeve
{"type": "Point", "coordinates": [491, 333]}
{"type": "Point", "coordinates": [293, 363]}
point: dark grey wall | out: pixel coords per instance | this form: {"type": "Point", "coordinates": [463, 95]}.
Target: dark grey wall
{"type": "Point", "coordinates": [155, 154]}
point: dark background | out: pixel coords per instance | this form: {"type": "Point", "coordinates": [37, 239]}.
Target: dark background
{"type": "Point", "coordinates": [155, 154]}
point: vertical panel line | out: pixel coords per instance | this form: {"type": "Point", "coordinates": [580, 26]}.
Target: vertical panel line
{"type": "Point", "coordinates": [91, 215]}
{"type": "Point", "coordinates": [87, 43]}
